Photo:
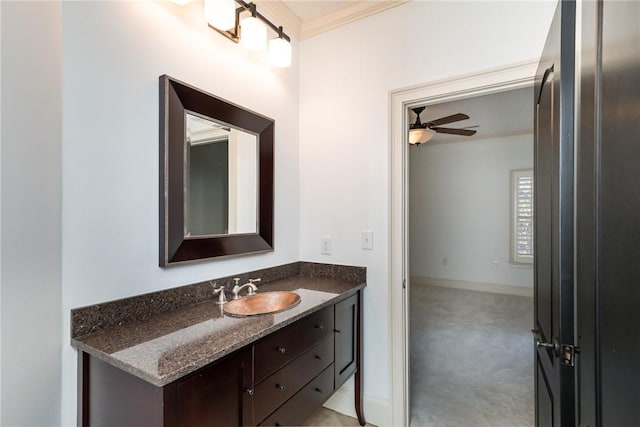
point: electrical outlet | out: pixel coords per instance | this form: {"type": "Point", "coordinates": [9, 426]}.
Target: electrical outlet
{"type": "Point", "coordinates": [325, 245]}
{"type": "Point", "coordinates": [366, 238]}
{"type": "Point", "coordinates": [445, 261]}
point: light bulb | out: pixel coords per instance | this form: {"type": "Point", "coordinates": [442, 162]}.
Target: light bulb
{"type": "Point", "coordinates": [253, 34]}
{"type": "Point", "coordinates": [280, 52]}
{"type": "Point", "coordinates": [220, 14]}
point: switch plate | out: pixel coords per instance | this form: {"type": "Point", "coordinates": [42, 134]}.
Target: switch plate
{"type": "Point", "coordinates": [325, 245]}
{"type": "Point", "coordinates": [366, 238]}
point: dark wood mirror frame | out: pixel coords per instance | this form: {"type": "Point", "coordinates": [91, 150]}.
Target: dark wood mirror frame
{"type": "Point", "coordinates": [175, 247]}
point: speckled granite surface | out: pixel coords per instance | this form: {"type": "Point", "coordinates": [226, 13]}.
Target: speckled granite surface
{"type": "Point", "coordinates": [180, 330]}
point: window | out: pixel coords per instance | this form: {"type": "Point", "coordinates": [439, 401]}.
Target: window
{"type": "Point", "coordinates": [522, 216]}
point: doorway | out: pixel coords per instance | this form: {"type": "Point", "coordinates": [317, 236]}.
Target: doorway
{"type": "Point", "coordinates": [493, 81]}
{"type": "Point", "coordinates": [470, 264]}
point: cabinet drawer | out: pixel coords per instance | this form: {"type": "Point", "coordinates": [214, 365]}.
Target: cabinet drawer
{"type": "Point", "coordinates": [282, 346]}
{"type": "Point", "coordinates": [301, 406]}
{"type": "Point", "coordinates": [276, 389]}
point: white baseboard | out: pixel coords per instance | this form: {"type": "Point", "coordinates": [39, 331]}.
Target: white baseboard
{"type": "Point", "coordinates": [376, 411]}
{"type": "Point", "coordinates": [495, 288]}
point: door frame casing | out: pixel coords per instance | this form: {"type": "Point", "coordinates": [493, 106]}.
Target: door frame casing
{"type": "Point", "coordinates": [515, 76]}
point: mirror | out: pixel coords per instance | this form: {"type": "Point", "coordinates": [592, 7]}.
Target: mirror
{"type": "Point", "coordinates": [221, 177]}
{"type": "Point", "coordinates": [216, 176]}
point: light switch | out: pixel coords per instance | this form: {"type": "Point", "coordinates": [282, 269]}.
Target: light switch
{"type": "Point", "coordinates": [325, 245]}
{"type": "Point", "coordinates": [367, 239]}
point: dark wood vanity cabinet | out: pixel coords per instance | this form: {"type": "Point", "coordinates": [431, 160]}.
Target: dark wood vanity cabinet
{"type": "Point", "coordinates": [217, 395]}
{"type": "Point", "coordinates": [279, 380]}
{"type": "Point", "coordinates": [321, 370]}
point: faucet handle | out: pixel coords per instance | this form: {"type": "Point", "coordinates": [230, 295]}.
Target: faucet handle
{"type": "Point", "coordinates": [255, 280]}
{"type": "Point", "coordinates": [222, 298]}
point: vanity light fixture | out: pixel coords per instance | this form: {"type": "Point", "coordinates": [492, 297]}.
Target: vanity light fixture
{"type": "Point", "coordinates": [220, 13]}
{"type": "Point", "coordinates": [251, 31]}
{"type": "Point", "coordinates": [254, 32]}
{"type": "Point", "coordinates": [280, 51]}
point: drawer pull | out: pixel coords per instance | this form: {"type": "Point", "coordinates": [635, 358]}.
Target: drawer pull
{"type": "Point", "coordinates": [280, 386]}
{"type": "Point", "coordinates": [319, 357]}
{"type": "Point", "coordinates": [249, 391]}
{"type": "Point", "coordinates": [321, 327]}
{"type": "Point", "coordinates": [281, 350]}
{"type": "Point", "coordinates": [319, 390]}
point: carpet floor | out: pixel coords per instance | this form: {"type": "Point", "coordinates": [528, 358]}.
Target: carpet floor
{"type": "Point", "coordinates": [471, 359]}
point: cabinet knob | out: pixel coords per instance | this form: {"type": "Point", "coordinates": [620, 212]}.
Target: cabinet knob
{"type": "Point", "coordinates": [337, 331]}
{"type": "Point", "coordinates": [319, 357]}
{"type": "Point", "coordinates": [249, 391]}
{"type": "Point", "coordinates": [321, 327]}
{"type": "Point", "coordinates": [319, 390]}
{"type": "Point", "coordinates": [280, 386]}
{"type": "Point", "coordinates": [281, 350]}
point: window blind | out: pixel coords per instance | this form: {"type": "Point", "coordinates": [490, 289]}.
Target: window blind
{"type": "Point", "coordinates": [522, 221]}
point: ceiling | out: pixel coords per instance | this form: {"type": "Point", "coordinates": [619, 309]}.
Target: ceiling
{"type": "Point", "coordinates": [306, 18]}
{"type": "Point", "coordinates": [498, 114]}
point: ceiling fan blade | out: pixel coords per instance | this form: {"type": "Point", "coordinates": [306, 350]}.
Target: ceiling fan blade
{"type": "Point", "coordinates": [449, 119]}
{"type": "Point", "coordinates": [464, 132]}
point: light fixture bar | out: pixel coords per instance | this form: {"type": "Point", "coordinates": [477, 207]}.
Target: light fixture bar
{"type": "Point", "coordinates": [234, 35]}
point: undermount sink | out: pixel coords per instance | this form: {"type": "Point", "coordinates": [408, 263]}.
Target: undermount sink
{"type": "Point", "coordinates": [262, 303]}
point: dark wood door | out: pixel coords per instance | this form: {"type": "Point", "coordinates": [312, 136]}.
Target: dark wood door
{"type": "Point", "coordinates": [608, 212]}
{"type": "Point", "coordinates": [553, 173]}
{"type": "Point", "coordinates": [217, 395]}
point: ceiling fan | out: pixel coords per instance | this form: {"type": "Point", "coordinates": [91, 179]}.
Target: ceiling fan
{"type": "Point", "coordinates": [419, 132]}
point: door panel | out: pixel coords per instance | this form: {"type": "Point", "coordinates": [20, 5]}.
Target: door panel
{"type": "Point", "coordinates": [554, 221]}
{"type": "Point", "coordinates": [543, 182]}
{"type": "Point", "coordinates": [544, 397]}
{"type": "Point", "coordinates": [618, 218]}
{"type": "Point", "coordinates": [346, 318]}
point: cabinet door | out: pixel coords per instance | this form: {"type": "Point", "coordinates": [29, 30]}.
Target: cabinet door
{"type": "Point", "coordinates": [346, 322]}
{"type": "Point", "coordinates": [217, 395]}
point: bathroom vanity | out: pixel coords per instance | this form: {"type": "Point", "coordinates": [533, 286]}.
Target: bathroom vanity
{"type": "Point", "coordinates": [192, 365]}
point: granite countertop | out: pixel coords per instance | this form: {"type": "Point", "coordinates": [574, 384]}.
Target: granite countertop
{"type": "Point", "coordinates": [166, 346]}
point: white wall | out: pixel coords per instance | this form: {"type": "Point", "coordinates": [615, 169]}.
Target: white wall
{"type": "Point", "coordinates": [460, 209]}
{"type": "Point", "coordinates": [31, 213]}
{"type": "Point", "coordinates": [345, 79]}
{"type": "Point", "coordinates": [112, 55]}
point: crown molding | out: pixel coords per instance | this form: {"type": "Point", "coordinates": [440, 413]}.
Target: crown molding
{"type": "Point", "coordinates": [346, 15]}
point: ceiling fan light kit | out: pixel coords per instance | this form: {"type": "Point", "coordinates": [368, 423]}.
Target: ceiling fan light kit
{"type": "Point", "coordinates": [419, 132]}
{"type": "Point", "coordinates": [420, 136]}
